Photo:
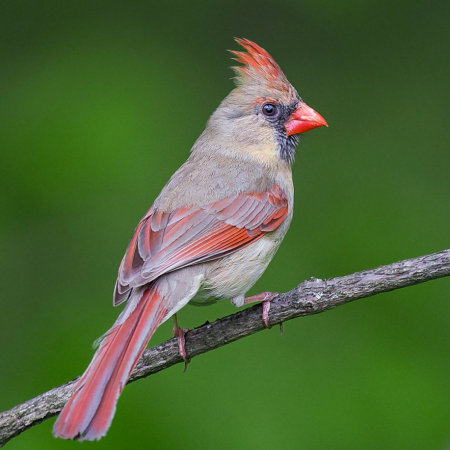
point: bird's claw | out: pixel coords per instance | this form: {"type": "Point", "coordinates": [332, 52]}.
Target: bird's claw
{"type": "Point", "coordinates": [266, 298]}
{"type": "Point", "coordinates": [180, 333]}
{"type": "Point", "coordinates": [265, 313]}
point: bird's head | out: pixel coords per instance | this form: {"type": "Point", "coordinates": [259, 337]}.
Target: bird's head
{"type": "Point", "coordinates": [264, 112]}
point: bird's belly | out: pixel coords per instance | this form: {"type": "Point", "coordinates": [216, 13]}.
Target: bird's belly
{"type": "Point", "coordinates": [235, 274]}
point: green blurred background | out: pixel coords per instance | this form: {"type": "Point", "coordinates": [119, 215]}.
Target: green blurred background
{"type": "Point", "coordinates": [101, 101]}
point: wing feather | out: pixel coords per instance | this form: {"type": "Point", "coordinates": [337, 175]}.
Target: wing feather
{"type": "Point", "coordinates": [166, 241]}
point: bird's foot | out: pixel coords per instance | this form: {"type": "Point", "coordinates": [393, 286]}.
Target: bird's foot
{"type": "Point", "coordinates": [179, 333]}
{"type": "Point", "coordinates": [265, 298]}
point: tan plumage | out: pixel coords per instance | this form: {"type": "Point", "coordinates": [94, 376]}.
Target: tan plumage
{"type": "Point", "coordinates": [209, 235]}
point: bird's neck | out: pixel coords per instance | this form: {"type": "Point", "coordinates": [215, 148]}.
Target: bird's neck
{"type": "Point", "coordinates": [262, 151]}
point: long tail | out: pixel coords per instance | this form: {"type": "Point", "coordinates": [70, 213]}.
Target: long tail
{"type": "Point", "coordinates": [89, 412]}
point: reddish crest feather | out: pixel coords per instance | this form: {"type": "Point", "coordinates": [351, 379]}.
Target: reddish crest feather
{"type": "Point", "coordinates": [258, 64]}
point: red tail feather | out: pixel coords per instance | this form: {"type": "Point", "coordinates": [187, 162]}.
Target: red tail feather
{"type": "Point", "coordinates": [89, 412]}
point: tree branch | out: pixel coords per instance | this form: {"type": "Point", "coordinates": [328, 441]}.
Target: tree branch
{"type": "Point", "coordinates": [310, 297]}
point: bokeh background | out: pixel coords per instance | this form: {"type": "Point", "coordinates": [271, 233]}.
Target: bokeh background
{"type": "Point", "coordinates": [101, 101]}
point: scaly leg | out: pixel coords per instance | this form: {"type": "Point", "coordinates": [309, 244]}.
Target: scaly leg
{"type": "Point", "coordinates": [265, 298]}
{"type": "Point", "coordinates": [179, 333]}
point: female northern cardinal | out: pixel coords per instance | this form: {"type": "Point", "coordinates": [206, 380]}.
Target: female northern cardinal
{"type": "Point", "coordinates": [209, 235]}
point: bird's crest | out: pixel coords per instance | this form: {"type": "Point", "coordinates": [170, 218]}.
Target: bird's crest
{"type": "Point", "coordinates": [258, 66]}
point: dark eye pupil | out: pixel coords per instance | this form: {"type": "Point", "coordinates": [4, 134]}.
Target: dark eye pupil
{"type": "Point", "coordinates": [269, 109]}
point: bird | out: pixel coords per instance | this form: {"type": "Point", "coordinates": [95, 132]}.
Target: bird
{"type": "Point", "coordinates": [209, 235]}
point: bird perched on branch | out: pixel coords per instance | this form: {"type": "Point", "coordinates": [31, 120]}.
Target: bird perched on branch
{"type": "Point", "coordinates": [209, 235]}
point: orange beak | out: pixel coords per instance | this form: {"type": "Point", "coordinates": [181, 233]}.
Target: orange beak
{"type": "Point", "coordinates": [304, 119]}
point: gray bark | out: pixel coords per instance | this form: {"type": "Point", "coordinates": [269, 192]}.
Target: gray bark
{"type": "Point", "coordinates": [310, 297]}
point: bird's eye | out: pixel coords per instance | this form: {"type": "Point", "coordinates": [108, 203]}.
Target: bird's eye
{"type": "Point", "coordinates": [270, 109]}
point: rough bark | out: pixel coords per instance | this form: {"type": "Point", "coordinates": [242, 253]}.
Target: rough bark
{"type": "Point", "coordinates": [310, 297]}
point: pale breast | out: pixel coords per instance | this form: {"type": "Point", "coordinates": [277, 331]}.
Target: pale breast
{"type": "Point", "coordinates": [235, 274]}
